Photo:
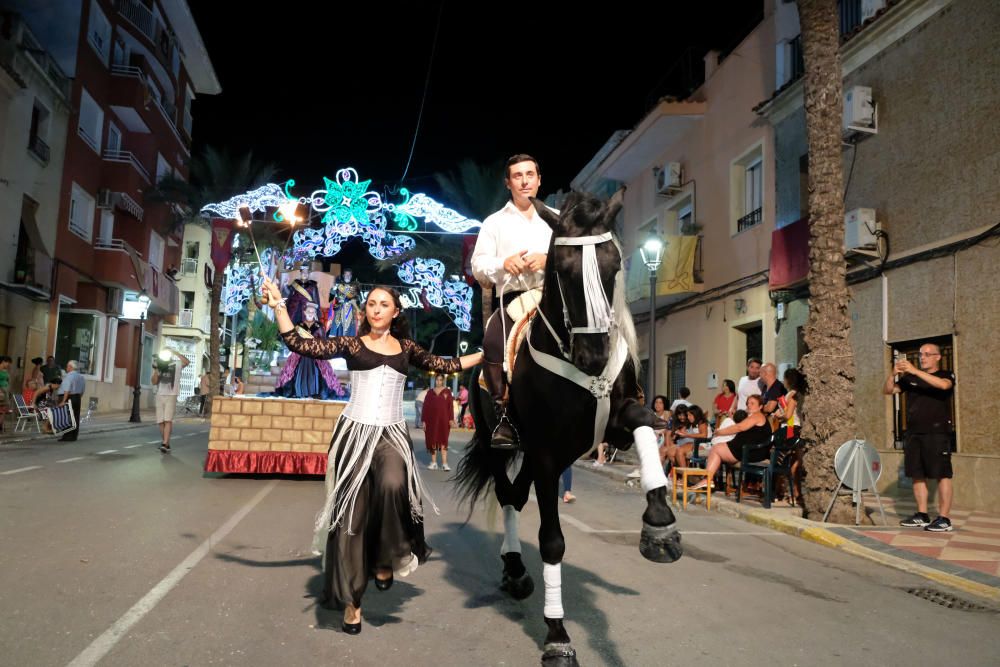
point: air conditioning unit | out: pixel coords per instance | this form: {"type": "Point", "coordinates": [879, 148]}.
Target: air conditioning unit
{"type": "Point", "coordinates": [860, 112]}
{"type": "Point", "coordinates": [870, 8]}
{"type": "Point", "coordinates": [859, 229]}
{"type": "Point", "coordinates": [116, 300]}
{"type": "Point", "coordinates": [668, 178]}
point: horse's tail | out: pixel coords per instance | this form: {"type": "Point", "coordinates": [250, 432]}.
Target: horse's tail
{"type": "Point", "coordinates": [479, 462]}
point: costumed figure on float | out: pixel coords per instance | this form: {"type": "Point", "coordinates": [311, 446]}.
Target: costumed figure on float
{"type": "Point", "coordinates": [345, 310]}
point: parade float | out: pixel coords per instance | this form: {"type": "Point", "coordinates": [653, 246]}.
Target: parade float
{"type": "Point", "coordinates": [287, 429]}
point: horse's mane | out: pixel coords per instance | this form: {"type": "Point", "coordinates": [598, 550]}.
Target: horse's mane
{"type": "Point", "coordinates": [622, 314]}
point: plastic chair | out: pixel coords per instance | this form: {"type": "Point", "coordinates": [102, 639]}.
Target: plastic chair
{"type": "Point", "coordinates": [25, 413]}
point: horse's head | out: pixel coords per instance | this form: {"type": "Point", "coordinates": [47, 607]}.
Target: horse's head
{"type": "Point", "coordinates": [581, 271]}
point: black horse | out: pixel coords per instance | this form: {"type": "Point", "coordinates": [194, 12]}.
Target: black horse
{"type": "Point", "coordinates": [574, 385]}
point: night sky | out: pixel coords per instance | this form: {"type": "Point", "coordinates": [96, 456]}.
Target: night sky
{"type": "Point", "coordinates": [314, 88]}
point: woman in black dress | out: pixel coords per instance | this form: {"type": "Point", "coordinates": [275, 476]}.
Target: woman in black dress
{"type": "Point", "coordinates": [371, 524]}
{"type": "Point", "coordinates": [751, 431]}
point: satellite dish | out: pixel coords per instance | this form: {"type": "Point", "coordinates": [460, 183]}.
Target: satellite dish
{"type": "Point", "coordinates": [852, 460]}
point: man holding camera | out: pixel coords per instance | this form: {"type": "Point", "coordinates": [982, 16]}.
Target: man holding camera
{"type": "Point", "coordinates": [927, 449]}
{"type": "Point", "coordinates": [167, 378]}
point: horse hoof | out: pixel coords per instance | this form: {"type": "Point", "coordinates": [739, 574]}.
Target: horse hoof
{"type": "Point", "coordinates": [660, 544]}
{"type": "Point", "coordinates": [559, 655]}
{"type": "Point", "coordinates": [518, 587]}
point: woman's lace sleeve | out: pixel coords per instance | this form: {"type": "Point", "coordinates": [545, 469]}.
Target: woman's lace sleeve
{"type": "Point", "coordinates": [421, 358]}
{"type": "Point", "coordinates": [321, 348]}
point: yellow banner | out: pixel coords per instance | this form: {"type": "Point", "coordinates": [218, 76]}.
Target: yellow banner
{"type": "Point", "coordinates": [675, 275]}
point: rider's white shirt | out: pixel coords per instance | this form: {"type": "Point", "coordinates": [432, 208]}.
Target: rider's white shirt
{"type": "Point", "coordinates": [503, 234]}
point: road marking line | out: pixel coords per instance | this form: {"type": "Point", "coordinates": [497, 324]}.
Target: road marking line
{"type": "Point", "coordinates": [101, 646]}
{"type": "Point", "coordinates": [17, 470]}
{"type": "Point", "coordinates": [107, 451]}
{"type": "Point", "coordinates": [75, 458]}
{"type": "Point", "coordinates": [152, 442]}
{"type": "Point", "coordinates": [134, 446]}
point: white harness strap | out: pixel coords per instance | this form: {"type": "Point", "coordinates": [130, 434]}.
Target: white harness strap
{"type": "Point", "coordinates": [599, 386]}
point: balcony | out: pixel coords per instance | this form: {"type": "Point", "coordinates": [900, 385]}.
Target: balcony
{"type": "Point", "coordinates": [133, 103]}
{"type": "Point", "coordinates": [114, 265]}
{"type": "Point", "coordinates": [161, 40]}
{"type": "Point", "coordinates": [126, 157]}
{"type": "Point", "coordinates": [751, 219]}
{"type": "Point", "coordinates": [39, 148]}
{"type": "Point", "coordinates": [675, 279]}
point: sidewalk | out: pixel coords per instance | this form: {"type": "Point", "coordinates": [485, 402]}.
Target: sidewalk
{"type": "Point", "coordinates": [98, 423]}
{"type": "Point", "coordinates": [968, 558]}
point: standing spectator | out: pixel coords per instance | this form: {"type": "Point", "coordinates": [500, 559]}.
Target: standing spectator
{"type": "Point", "coordinates": [418, 405]}
{"type": "Point", "coordinates": [683, 400]}
{"type": "Point", "coordinates": [725, 402]}
{"type": "Point", "coordinates": [4, 388]}
{"type": "Point", "coordinates": [34, 375]}
{"type": "Point", "coordinates": [567, 482]}
{"type": "Point", "coordinates": [438, 414]}
{"type": "Point", "coordinates": [463, 402]}
{"type": "Point", "coordinates": [167, 378]}
{"type": "Point", "coordinates": [773, 390]}
{"type": "Point", "coordinates": [749, 384]}
{"type": "Point", "coordinates": [927, 449]}
{"type": "Point", "coordinates": [71, 390]}
{"type": "Point", "coordinates": [203, 387]}
{"type": "Point", "coordinates": [50, 370]}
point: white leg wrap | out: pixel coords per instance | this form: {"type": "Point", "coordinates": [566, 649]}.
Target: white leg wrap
{"type": "Point", "coordinates": [511, 540]}
{"type": "Point", "coordinates": [650, 470]}
{"type": "Point", "coordinates": [552, 575]}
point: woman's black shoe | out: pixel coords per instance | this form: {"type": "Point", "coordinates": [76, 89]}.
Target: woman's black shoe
{"type": "Point", "coordinates": [351, 628]}
{"type": "Point", "coordinates": [383, 584]}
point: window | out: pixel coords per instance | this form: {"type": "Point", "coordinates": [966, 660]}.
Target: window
{"type": "Point", "coordinates": [156, 250]}
{"type": "Point", "coordinates": [79, 337]}
{"type": "Point", "coordinates": [39, 131]}
{"type": "Point", "coordinates": [746, 185]}
{"type": "Point", "coordinates": [119, 53]}
{"type": "Point", "coordinates": [188, 299]}
{"type": "Point", "coordinates": [676, 373]}
{"type": "Point", "coordinates": [81, 213]}
{"type": "Point", "coordinates": [107, 230]}
{"type": "Point", "coordinates": [191, 250]}
{"type": "Point", "coordinates": [91, 121]}
{"type": "Point", "coordinates": [114, 138]}
{"type": "Point", "coordinates": [162, 168]}
{"type": "Point", "coordinates": [99, 32]}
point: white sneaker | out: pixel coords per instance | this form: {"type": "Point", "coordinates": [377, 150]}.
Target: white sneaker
{"type": "Point", "coordinates": [635, 474]}
{"type": "Point", "coordinates": [433, 466]}
{"type": "Point", "coordinates": [597, 464]}
{"type": "Point", "coordinates": [445, 467]}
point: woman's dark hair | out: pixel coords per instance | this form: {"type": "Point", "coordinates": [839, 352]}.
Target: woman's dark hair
{"type": "Point", "coordinates": [661, 397]}
{"type": "Point", "coordinates": [795, 381]}
{"type": "Point", "coordinates": [38, 361]}
{"type": "Point", "coordinates": [400, 327]}
{"type": "Point", "coordinates": [698, 414]}
{"type": "Point", "coordinates": [739, 416]}
{"type": "Point", "coordinates": [730, 384]}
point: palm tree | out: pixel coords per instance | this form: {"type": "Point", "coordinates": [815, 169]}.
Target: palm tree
{"type": "Point", "coordinates": [829, 364]}
{"type": "Point", "coordinates": [477, 190]}
{"type": "Point", "coordinates": [216, 175]}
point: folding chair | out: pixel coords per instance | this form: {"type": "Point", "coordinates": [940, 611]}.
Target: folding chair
{"type": "Point", "coordinates": [25, 413]}
{"type": "Point", "coordinates": [61, 418]}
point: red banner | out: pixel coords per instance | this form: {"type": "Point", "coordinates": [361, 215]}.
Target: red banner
{"type": "Point", "coordinates": [222, 242]}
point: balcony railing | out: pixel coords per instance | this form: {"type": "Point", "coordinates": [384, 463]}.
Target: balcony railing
{"type": "Point", "coordinates": [130, 158]}
{"type": "Point", "coordinates": [751, 219]}
{"type": "Point", "coordinates": [117, 245]}
{"type": "Point", "coordinates": [186, 318]}
{"type": "Point", "coordinates": [138, 15]}
{"type": "Point", "coordinates": [189, 266]}
{"type": "Point", "coordinates": [39, 148]}
{"type": "Point", "coordinates": [134, 72]}
{"type": "Point", "coordinates": [130, 205]}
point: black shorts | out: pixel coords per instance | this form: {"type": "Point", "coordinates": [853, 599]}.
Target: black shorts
{"type": "Point", "coordinates": [927, 456]}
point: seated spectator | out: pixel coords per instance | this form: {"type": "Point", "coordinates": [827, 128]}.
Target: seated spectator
{"type": "Point", "coordinates": [751, 431]}
{"type": "Point", "coordinates": [29, 392]}
{"type": "Point", "coordinates": [696, 427]}
{"type": "Point", "coordinates": [683, 393]}
{"type": "Point", "coordinates": [717, 439]}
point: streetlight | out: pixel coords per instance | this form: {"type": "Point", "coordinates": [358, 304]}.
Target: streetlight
{"type": "Point", "coordinates": [651, 252]}
{"type": "Point", "coordinates": [144, 303]}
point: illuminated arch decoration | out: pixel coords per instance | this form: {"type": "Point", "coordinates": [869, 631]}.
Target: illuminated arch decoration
{"type": "Point", "coordinates": [349, 209]}
{"type": "Point", "coordinates": [239, 285]}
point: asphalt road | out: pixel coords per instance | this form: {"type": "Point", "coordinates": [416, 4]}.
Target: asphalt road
{"type": "Point", "coordinates": [114, 554]}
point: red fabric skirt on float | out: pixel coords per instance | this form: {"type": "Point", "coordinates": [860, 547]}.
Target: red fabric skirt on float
{"type": "Point", "coordinates": [287, 463]}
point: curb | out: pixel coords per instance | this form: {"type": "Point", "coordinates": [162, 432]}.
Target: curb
{"type": "Point", "coordinates": [103, 428]}
{"type": "Point", "coordinates": [813, 532]}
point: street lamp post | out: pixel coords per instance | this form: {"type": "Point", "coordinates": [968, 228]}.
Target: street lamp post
{"type": "Point", "coordinates": [651, 252]}
{"type": "Point", "coordinates": [136, 392]}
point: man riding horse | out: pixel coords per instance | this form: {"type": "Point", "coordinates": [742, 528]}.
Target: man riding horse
{"type": "Point", "coordinates": [510, 253]}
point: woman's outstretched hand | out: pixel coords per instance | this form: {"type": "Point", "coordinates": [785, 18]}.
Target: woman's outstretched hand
{"type": "Point", "coordinates": [270, 290]}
